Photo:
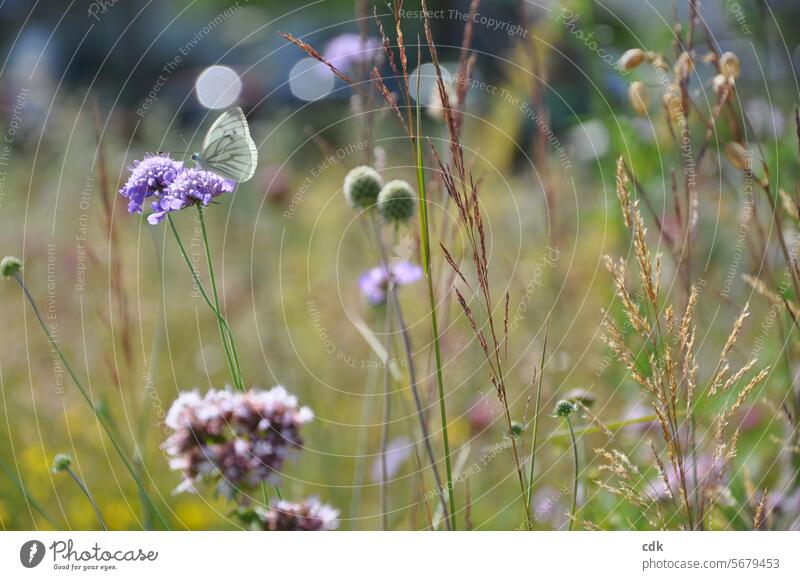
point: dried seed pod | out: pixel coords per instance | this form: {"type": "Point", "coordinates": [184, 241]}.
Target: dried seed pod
{"type": "Point", "coordinates": [720, 83]}
{"type": "Point", "coordinates": [738, 156]}
{"type": "Point", "coordinates": [639, 97]}
{"type": "Point", "coordinates": [684, 65]}
{"type": "Point", "coordinates": [672, 102]}
{"type": "Point", "coordinates": [631, 59]}
{"type": "Point", "coordinates": [729, 65]}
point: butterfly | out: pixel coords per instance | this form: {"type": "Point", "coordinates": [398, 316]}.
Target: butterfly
{"type": "Point", "coordinates": [228, 149]}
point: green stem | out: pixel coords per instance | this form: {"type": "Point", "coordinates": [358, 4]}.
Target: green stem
{"type": "Point", "coordinates": [424, 234]}
{"type": "Point", "coordinates": [227, 341]}
{"type": "Point", "coordinates": [89, 496]}
{"type": "Point", "coordinates": [30, 499]}
{"type": "Point", "coordinates": [394, 301]}
{"type": "Point", "coordinates": [535, 431]}
{"type": "Point", "coordinates": [573, 512]}
{"type": "Point", "coordinates": [100, 418]}
{"type": "Point", "coordinates": [196, 276]}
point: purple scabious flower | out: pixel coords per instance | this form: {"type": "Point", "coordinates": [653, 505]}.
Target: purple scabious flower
{"type": "Point", "coordinates": [150, 176]}
{"type": "Point", "coordinates": [190, 186]}
{"type": "Point", "coordinates": [233, 439]}
{"type": "Point", "coordinates": [308, 516]}
{"type": "Point", "coordinates": [349, 49]}
{"type": "Point", "coordinates": [374, 283]}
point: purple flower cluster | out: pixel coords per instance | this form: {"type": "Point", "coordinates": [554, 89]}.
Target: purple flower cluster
{"type": "Point", "coordinates": [307, 516]}
{"type": "Point", "coordinates": [374, 283]}
{"type": "Point", "coordinates": [233, 439]}
{"type": "Point", "coordinates": [173, 186]}
{"type": "Point", "coordinates": [150, 176]}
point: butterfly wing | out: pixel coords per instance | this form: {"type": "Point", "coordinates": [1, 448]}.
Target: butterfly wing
{"type": "Point", "coordinates": [228, 148]}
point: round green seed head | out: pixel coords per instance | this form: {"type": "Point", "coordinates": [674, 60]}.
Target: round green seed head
{"type": "Point", "coordinates": [517, 428]}
{"type": "Point", "coordinates": [564, 408]}
{"type": "Point", "coordinates": [10, 265]}
{"type": "Point", "coordinates": [396, 201]}
{"type": "Point", "coordinates": [61, 462]}
{"type": "Point", "coordinates": [362, 186]}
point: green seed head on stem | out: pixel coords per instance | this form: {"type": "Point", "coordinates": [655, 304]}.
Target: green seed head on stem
{"type": "Point", "coordinates": [396, 202]}
{"type": "Point", "coordinates": [61, 462]}
{"type": "Point", "coordinates": [362, 186]}
{"type": "Point", "coordinates": [564, 408]}
{"type": "Point", "coordinates": [10, 266]}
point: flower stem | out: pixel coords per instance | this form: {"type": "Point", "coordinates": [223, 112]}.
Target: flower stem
{"type": "Point", "coordinates": [89, 496]}
{"type": "Point", "coordinates": [100, 417]}
{"type": "Point", "coordinates": [196, 277]}
{"type": "Point", "coordinates": [28, 497]}
{"type": "Point", "coordinates": [424, 234]}
{"type": "Point", "coordinates": [392, 299]}
{"type": "Point", "coordinates": [227, 338]}
{"type": "Point", "coordinates": [387, 417]}
{"type": "Point", "coordinates": [573, 512]}
{"type": "Point", "coordinates": [529, 501]}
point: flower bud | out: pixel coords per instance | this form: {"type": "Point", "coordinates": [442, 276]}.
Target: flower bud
{"type": "Point", "coordinates": [396, 201]}
{"type": "Point", "coordinates": [631, 59]}
{"type": "Point", "coordinates": [10, 266]}
{"type": "Point", "coordinates": [729, 65]}
{"type": "Point", "coordinates": [639, 97]}
{"type": "Point", "coordinates": [564, 408]}
{"type": "Point", "coordinates": [61, 462]}
{"type": "Point", "coordinates": [362, 186]}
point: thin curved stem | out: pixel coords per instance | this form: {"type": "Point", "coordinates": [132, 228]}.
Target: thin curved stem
{"type": "Point", "coordinates": [85, 394]}
{"type": "Point", "coordinates": [196, 276]}
{"type": "Point", "coordinates": [573, 512]}
{"type": "Point", "coordinates": [227, 338]}
{"type": "Point", "coordinates": [534, 441]}
{"type": "Point", "coordinates": [89, 496]}
{"type": "Point", "coordinates": [391, 293]}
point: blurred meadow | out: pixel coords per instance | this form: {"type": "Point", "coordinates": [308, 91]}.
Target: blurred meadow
{"type": "Point", "coordinates": [709, 151]}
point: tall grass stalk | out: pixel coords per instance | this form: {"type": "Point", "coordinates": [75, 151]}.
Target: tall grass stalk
{"type": "Point", "coordinates": [424, 234]}
{"type": "Point", "coordinates": [534, 437]}
{"type": "Point", "coordinates": [97, 413]}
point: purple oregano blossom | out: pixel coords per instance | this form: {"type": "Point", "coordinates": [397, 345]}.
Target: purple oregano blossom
{"type": "Point", "coordinates": [308, 516]}
{"type": "Point", "coordinates": [231, 438]}
{"type": "Point", "coordinates": [375, 282]}
{"type": "Point", "coordinates": [173, 185]}
{"type": "Point", "coordinates": [150, 176]}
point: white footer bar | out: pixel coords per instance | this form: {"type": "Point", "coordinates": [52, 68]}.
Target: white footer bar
{"type": "Point", "coordinates": [406, 555]}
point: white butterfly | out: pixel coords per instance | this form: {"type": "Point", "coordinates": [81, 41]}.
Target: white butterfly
{"type": "Point", "coordinates": [228, 149]}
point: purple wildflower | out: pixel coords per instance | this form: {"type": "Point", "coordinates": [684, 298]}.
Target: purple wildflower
{"type": "Point", "coordinates": [150, 176]}
{"type": "Point", "coordinates": [190, 186]}
{"type": "Point", "coordinates": [375, 282]}
{"type": "Point", "coordinates": [308, 516]}
{"type": "Point", "coordinates": [233, 439]}
{"type": "Point", "coordinates": [349, 49]}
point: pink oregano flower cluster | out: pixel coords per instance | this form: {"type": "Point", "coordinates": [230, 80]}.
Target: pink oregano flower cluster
{"type": "Point", "coordinates": [236, 441]}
